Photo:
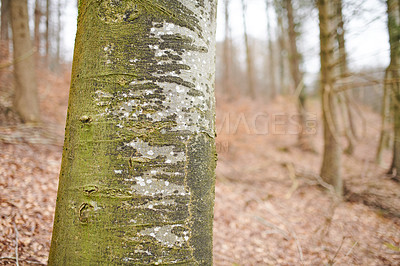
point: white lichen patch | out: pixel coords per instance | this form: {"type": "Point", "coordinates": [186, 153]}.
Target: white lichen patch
{"type": "Point", "coordinates": [148, 186]}
{"type": "Point", "coordinates": [108, 52]}
{"type": "Point", "coordinates": [164, 234]}
{"type": "Point", "coordinates": [195, 104]}
{"type": "Point", "coordinates": [101, 94]}
{"type": "Point", "coordinates": [137, 82]}
{"type": "Point", "coordinates": [152, 152]}
{"type": "Point", "coordinates": [154, 204]}
{"type": "Point", "coordinates": [192, 106]}
{"type": "Point", "coordinates": [94, 205]}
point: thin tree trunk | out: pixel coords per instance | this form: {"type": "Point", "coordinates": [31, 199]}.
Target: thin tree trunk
{"type": "Point", "coordinates": [344, 99]}
{"type": "Point", "coordinates": [227, 53]}
{"type": "Point", "coordinates": [4, 34]}
{"type": "Point", "coordinates": [385, 116]}
{"type": "Point", "coordinates": [282, 47]}
{"type": "Point", "coordinates": [294, 54]}
{"type": "Point", "coordinates": [294, 63]}
{"type": "Point", "coordinates": [38, 15]}
{"type": "Point", "coordinates": [47, 32]}
{"type": "Point", "coordinates": [249, 60]}
{"type": "Point", "coordinates": [58, 34]}
{"type": "Point", "coordinates": [393, 10]}
{"type": "Point", "coordinates": [271, 56]}
{"type": "Point", "coordinates": [341, 39]}
{"type": "Point", "coordinates": [26, 101]}
{"type": "Point", "coordinates": [331, 162]}
{"type": "Point", "coordinates": [138, 169]}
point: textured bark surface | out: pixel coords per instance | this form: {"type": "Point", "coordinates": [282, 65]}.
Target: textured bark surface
{"type": "Point", "coordinates": [331, 162]}
{"type": "Point", "coordinates": [26, 101]}
{"type": "Point", "coordinates": [137, 178]}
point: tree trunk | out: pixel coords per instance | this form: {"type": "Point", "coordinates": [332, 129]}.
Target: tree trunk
{"type": "Point", "coordinates": [331, 162]}
{"type": "Point", "coordinates": [385, 116]}
{"type": "Point", "coordinates": [294, 62]}
{"type": "Point", "coordinates": [58, 34]}
{"type": "Point", "coordinates": [138, 169]}
{"type": "Point", "coordinates": [340, 38]}
{"type": "Point", "coordinates": [393, 10]}
{"type": "Point", "coordinates": [227, 53]}
{"type": "Point", "coordinates": [271, 56]}
{"type": "Point", "coordinates": [26, 101]}
{"type": "Point", "coordinates": [249, 59]}
{"type": "Point", "coordinates": [294, 58]}
{"type": "Point", "coordinates": [344, 98]}
{"type": "Point", "coordinates": [47, 32]}
{"type": "Point", "coordinates": [38, 15]}
{"type": "Point", "coordinates": [282, 46]}
{"type": "Point", "coordinates": [4, 35]}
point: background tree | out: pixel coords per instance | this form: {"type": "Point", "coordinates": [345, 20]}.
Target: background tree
{"type": "Point", "coordinates": [4, 34]}
{"type": "Point", "coordinates": [384, 135]}
{"type": "Point", "coordinates": [137, 178]}
{"type": "Point", "coordinates": [297, 76]}
{"type": "Point", "coordinates": [47, 32]}
{"type": "Point", "coordinates": [331, 162]}
{"type": "Point", "coordinates": [271, 58]}
{"type": "Point", "coordinates": [38, 16]}
{"type": "Point", "coordinates": [392, 80]}
{"type": "Point", "coordinates": [26, 101]}
{"type": "Point", "coordinates": [282, 55]}
{"type": "Point", "coordinates": [58, 33]}
{"type": "Point", "coordinates": [249, 59]}
{"type": "Point", "coordinates": [227, 51]}
{"type": "Point", "coordinates": [344, 97]}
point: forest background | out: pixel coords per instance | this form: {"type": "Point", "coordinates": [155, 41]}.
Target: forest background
{"type": "Point", "coordinates": [274, 205]}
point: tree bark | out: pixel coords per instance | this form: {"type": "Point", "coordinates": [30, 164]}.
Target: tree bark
{"type": "Point", "coordinates": [249, 59]}
{"type": "Point", "coordinates": [138, 168]}
{"type": "Point", "coordinates": [331, 162]}
{"type": "Point", "coordinates": [26, 101]}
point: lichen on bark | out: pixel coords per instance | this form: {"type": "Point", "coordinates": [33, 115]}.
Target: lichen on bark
{"type": "Point", "coordinates": [137, 178]}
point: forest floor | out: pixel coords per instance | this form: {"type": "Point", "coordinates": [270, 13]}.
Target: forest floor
{"type": "Point", "coordinates": [270, 208]}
